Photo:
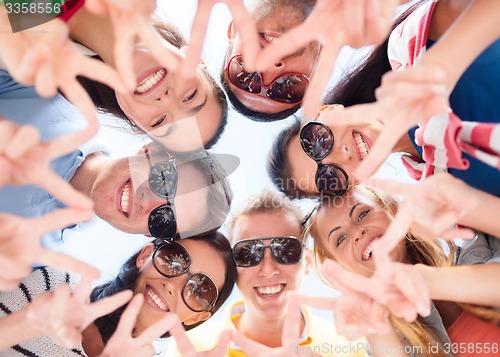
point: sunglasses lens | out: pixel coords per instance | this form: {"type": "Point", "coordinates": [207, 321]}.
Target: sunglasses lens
{"type": "Point", "coordinates": [172, 259]}
{"type": "Point", "coordinates": [248, 253]}
{"type": "Point", "coordinates": [331, 180]}
{"type": "Point", "coordinates": [162, 223]}
{"type": "Point", "coordinates": [286, 250]}
{"type": "Point", "coordinates": [242, 79]}
{"type": "Point", "coordinates": [199, 293]}
{"type": "Point", "coordinates": [288, 89]}
{"type": "Point", "coordinates": [316, 140]}
{"type": "Point", "coordinates": [163, 178]}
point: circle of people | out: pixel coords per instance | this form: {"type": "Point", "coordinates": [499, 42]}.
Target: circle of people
{"type": "Point", "coordinates": [416, 264]}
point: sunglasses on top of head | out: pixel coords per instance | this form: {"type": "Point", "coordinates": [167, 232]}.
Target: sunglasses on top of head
{"type": "Point", "coordinates": [287, 88]}
{"type": "Point", "coordinates": [162, 180]}
{"type": "Point", "coordinates": [284, 250]}
{"type": "Point", "coordinates": [199, 293]}
{"type": "Point", "coordinates": [316, 140]}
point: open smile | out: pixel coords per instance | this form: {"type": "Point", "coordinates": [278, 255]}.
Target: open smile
{"type": "Point", "coordinates": [155, 300]}
{"type": "Point", "coordinates": [125, 198]}
{"type": "Point", "coordinates": [270, 290]}
{"type": "Point", "coordinates": [361, 143]}
{"type": "Point", "coordinates": [150, 81]}
{"type": "Point", "coordinates": [367, 252]}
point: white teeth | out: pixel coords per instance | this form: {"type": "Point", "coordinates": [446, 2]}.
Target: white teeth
{"type": "Point", "coordinates": [270, 290]}
{"type": "Point", "coordinates": [368, 252]}
{"type": "Point", "coordinates": [157, 300]}
{"type": "Point", "coordinates": [361, 144]}
{"type": "Point", "coordinates": [124, 199]}
{"type": "Point", "coordinates": [268, 38]}
{"type": "Point", "coordinates": [148, 82]}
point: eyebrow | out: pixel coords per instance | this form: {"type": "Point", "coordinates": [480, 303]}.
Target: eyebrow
{"type": "Point", "coordinates": [191, 112]}
{"type": "Point", "coordinates": [338, 227]}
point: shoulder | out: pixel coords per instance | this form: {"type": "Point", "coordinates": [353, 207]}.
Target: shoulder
{"type": "Point", "coordinates": [483, 249]}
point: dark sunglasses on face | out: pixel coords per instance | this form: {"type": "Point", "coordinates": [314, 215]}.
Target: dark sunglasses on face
{"type": "Point", "coordinates": [284, 250]}
{"type": "Point", "coordinates": [317, 142]}
{"type": "Point", "coordinates": [162, 181]}
{"type": "Point", "coordinates": [199, 293]}
{"type": "Point", "coordinates": [287, 88]}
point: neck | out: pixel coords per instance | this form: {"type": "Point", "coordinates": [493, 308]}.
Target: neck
{"type": "Point", "coordinates": [87, 173]}
{"type": "Point", "coordinates": [94, 32]}
{"type": "Point", "coordinates": [91, 341]}
{"type": "Point", "coordinates": [264, 331]}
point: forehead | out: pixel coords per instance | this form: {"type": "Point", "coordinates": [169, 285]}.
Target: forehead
{"type": "Point", "coordinates": [205, 259]}
{"type": "Point", "coordinates": [334, 209]}
{"type": "Point", "coordinates": [265, 225]}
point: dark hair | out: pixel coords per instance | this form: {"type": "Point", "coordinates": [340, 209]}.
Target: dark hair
{"type": "Point", "coordinates": [129, 273]}
{"type": "Point", "coordinates": [357, 87]}
{"type": "Point", "coordinates": [105, 100]}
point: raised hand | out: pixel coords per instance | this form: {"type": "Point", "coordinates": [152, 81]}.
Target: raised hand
{"type": "Point", "coordinates": [186, 348]}
{"type": "Point", "coordinates": [335, 23]}
{"type": "Point", "coordinates": [43, 56]}
{"type": "Point", "coordinates": [131, 21]}
{"type": "Point", "coordinates": [399, 287]}
{"type": "Point", "coordinates": [20, 246]}
{"type": "Point", "coordinates": [429, 209]}
{"type": "Point", "coordinates": [244, 24]}
{"type": "Point", "coordinates": [404, 99]}
{"type": "Point", "coordinates": [63, 314]}
{"type": "Point", "coordinates": [289, 339]}
{"type": "Point", "coordinates": [123, 344]}
{"type": "Point", "coordinates": [25, 160]}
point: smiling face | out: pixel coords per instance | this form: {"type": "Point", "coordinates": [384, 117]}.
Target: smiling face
{"type": "Point", "coordinates": [351, 144]}
{"type": "Point", "coordinates": [263, 286]}
{"type": "Point", "coordinates": [348, 226]}
{"type": "Point", "coordinates": [163, 294]}
{"type": "Point", "coordinates": [162, 97]}
{"type": "Point", "coordinates": [272, 21]}
{"type": "Point", "coordinates": [123, 198]}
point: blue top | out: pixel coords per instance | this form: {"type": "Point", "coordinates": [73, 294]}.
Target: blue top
{"type": "Point", "coordinates": [476, 97]}
{"type": "Point", "coordinates": [52, 117]}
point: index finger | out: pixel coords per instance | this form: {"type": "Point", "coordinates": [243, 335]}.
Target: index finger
{"type": "Point", "coordinates": [109, 304]}
{"type": "Point", "coordinates": [248, 32]}
{"type": "Point", "coordinates": [66, 263]}
{"type": "Point", "coordinates": [322, 303]}
{"type": "Point", "coordinates": [159, 328]}
{"type": "Point", "coordinates": [198, 32]}
{"type": "Point", "coordinates": [291, 329]}
{"type": "Point", "coordinates": [129, 316]}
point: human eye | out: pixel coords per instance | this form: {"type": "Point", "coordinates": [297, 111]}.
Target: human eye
{"type": "Point", "coordinates": [158, 122]}
{"type": "Point", "coordinates": [191, 96]}
{"type": "Point", "coordinates": [362, 215]}
{"type": "Point", "coordinates": [341, 239]}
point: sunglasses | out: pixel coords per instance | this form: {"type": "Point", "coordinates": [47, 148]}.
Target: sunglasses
{"type": "Point", "coordinates": [287, 88]}
{"type": "Point", "coordinates": [284, 250]}
{"type": "Point", "coordinates": [317, 142]}
{"type": "Point", "coordinates": [199, 293]}
{"type": "Point", "coordinates": [162, 180]}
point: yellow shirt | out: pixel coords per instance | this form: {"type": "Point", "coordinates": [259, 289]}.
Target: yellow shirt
{"type": "Point", "coordinates": [319, 336]}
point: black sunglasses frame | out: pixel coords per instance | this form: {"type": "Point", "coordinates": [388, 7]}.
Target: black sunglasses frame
{"type": "Point", "coordinates": [185, 253]}
{"type": "Point", "coordinates": [322, 168]}
{"type": "Point", "coordinates": [261, 240]}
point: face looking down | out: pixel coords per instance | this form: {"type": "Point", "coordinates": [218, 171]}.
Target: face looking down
{"type": "Point", "coordinates": [263, 286]}
{"type": "Point", "coordinates": [347, 226]}
{"type": "Point", "coordinates": [162, 294]}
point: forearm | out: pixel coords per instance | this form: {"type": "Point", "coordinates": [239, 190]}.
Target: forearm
{"type": "Point", "coordinates": [484, 217]}
{"type": "Point", "coordinates": [387, 344]}
{"type": "Point", "coordinates": [466, 39]}
{"type": "Point", "coordinates": [15, 329]}
{"type": "Point", "coordinates": [473, 284]}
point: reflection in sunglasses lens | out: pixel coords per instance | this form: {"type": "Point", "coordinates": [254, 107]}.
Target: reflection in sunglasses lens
{"type": "Point", "coordinates": [162, 223]}
{"type": "Point", "coordinates": [199, 292]}
{"type": "Point", "coordinates": [316, 140]}
{"type": "Point", "coordinates": [331, 180]}
{"type": "Point", "coordinates": [163, 178]}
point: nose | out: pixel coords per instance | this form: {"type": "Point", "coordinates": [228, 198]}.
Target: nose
{"type": "Point", "coordinates": [274, 72]}
{"type": "Point", "coordinates": [268, 266]}
{"type": "Point", "coordinates": [147, 200]}
{"type": "Point", "coordinates": [339, 155]}
{"type": "Point", "coordinates": [359, 234]}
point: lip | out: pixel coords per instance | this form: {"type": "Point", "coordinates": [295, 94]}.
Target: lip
{"type": "Point", "coordinates": [130, 198]}
{"type": "Point", "coordinates": [367, 243]}
{"type": "Point", "coordinates": [150, 301]}
{"type": "Point", "coordinates": [147, 74]}
{"type": "Point", "coordinates": [270, 297]}
{"type": "Point", "coordinates": [366, 140]}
